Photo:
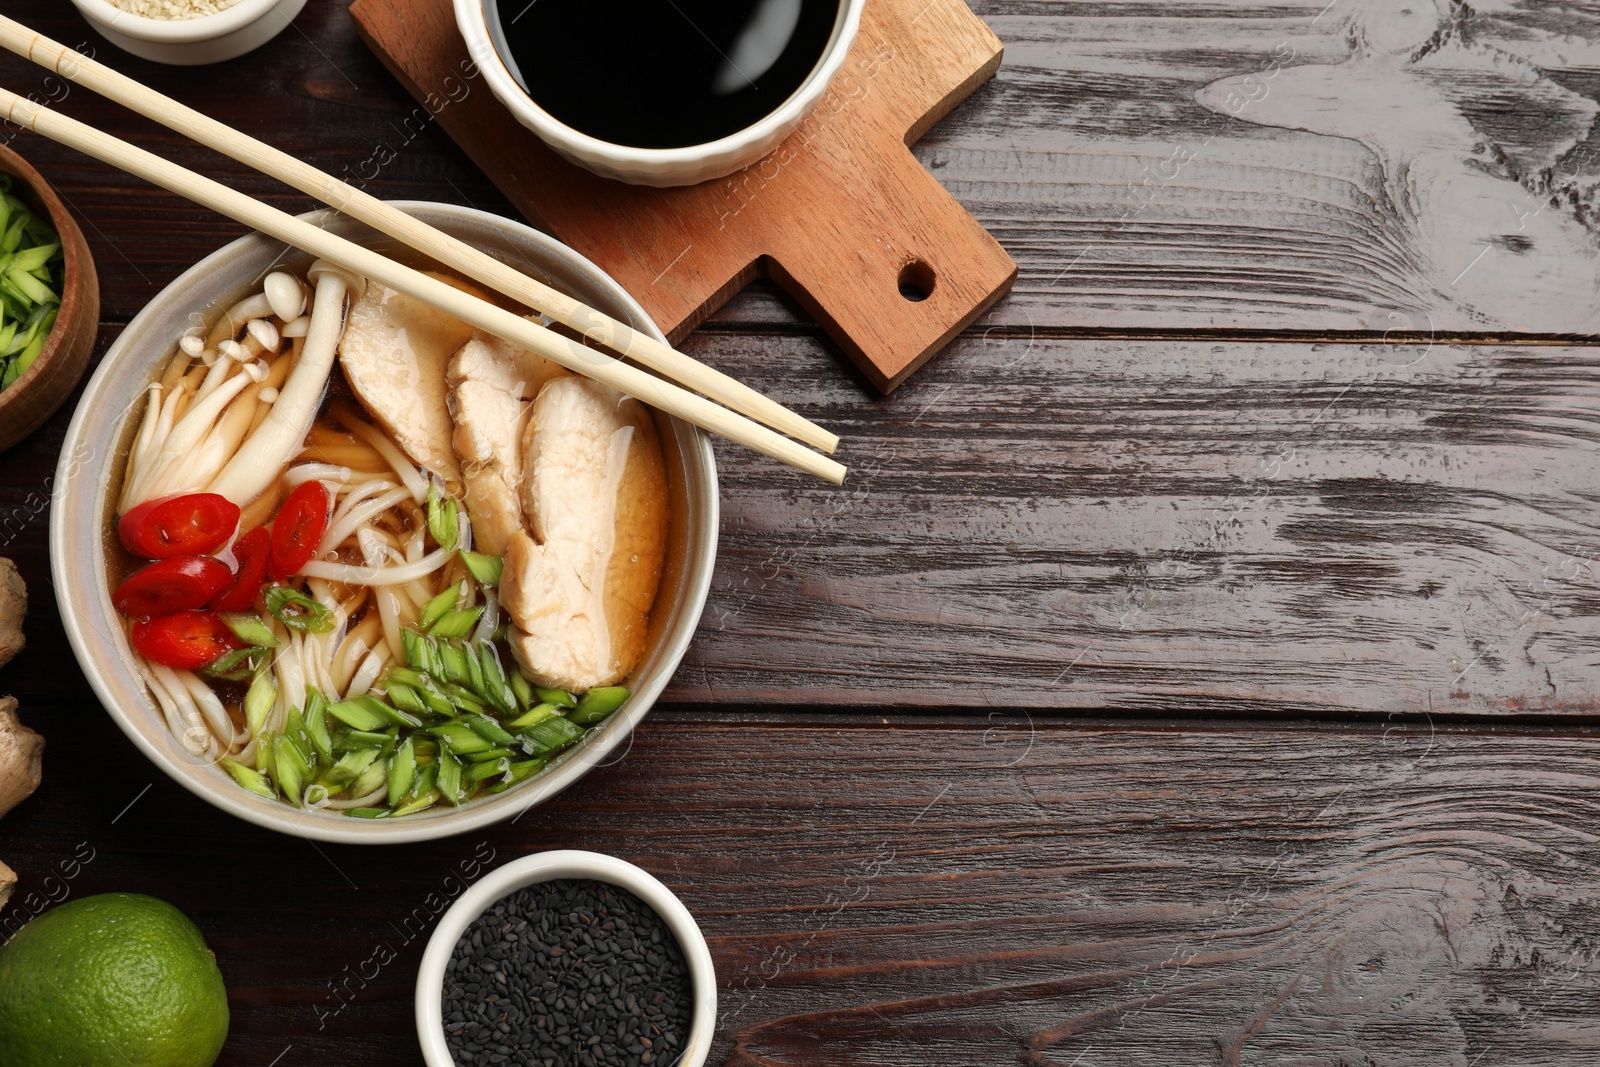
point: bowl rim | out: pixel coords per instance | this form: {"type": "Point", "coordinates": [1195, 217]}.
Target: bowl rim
{"type": "Point", "coordinates": [548, 867]}
{"type": "Point", "coordinates": [74, 286]}
{"type": "Point", "coordinates": [175, 31]}
{"type": "Point", "coordinates": [273, 814]}
{"type": "Point", "coordinates": [472, 21]}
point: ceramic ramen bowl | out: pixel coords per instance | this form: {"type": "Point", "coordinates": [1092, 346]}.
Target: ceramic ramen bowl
{"type": "Point", "coordinates": [84, 549]}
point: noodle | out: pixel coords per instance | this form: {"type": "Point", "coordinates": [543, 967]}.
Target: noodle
{"type": "Point", "coordinates": [378, 576]}
{"type": "Point", "coordinates": [410, 477]}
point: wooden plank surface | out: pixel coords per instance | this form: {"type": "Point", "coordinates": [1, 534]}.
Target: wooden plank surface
{"type": "Point", "coordinates": [1008, 883]}
{"type": "Point", "coordinates": [1293, 165]}
{"type": "Point", "coordinates": [1145, 525]}
{"type": "Point", "coordinates": [1040, 892]}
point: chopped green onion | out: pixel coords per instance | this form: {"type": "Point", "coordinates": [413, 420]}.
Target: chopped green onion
{"type": "Point", "coordinates": [31, 259]}
{"type": "Point", "coordinates": [368, 813]}
{"type": "Point", "coordinates": [539, 713]}
{"type": "Point", "coordinates": [13, 234]}
{"type": "Point", "coordinates": [252, 630]}
{"type": "Point", "coordinates": [489, 730]}
{"type": "Point", "coordinates": [264, 749]}
{"type": "Point", "coordinates": [523, 690]}
{"type": "Point", "coordinates": [436, 702]}
{"type": "Point", "coordinates": [464, 699]}
{"type": "Point", "coordinates": [457, 623]}
{"type": "Point", "coordinates": [295, 730]}
{"type": "Point", "coordinates": [402, 769]}
{"type": "Point", "coordinates": [297, 611]}
{"type": "Point", "coordinates": [485, 569]}
{"type": "Point", "coordinates": [252, 780]}
{"type": "Point", "coordinates": [406, 676]}
{"type": "Point", "coordinates": [411, 643]}
{"type": "Point", "coordinates": [449, 780]}
{"type": "Point", "coordinates": [350, 766]}
{"type": "Point", "coordinates": [427, 774]}
{"type": "Point", "coordinates": [358, 715]}
{"type": "Point", "coordinates": [371, 779]}
{"type": "Point", "coordinates": [31, 270]}
{"type": "Point", "coordinates": [237, 665]}
{"type": "Point", "coordinates": [559, 697]}
{"type": "Point", "coordinates": [374, 714]}
{"type": "Point", "coordinates": [406, 698]}
{"type": "Point", "coordinates": [443, 522]}
{"type": "Point", "coordinates": [483, 771]}
{"type": "Point", "coordinates": [597, 704]}
{"type": "Point", "coordinates": [550, 736]}
{"type": "Point", "coordinates": [518, 772]}
{"type": "Point", "coordinates": [258, 701]}
{"type": "Point", "coordinates": [316, 718]}
{"type": "Point", "coordinates": [438, 607]}
{"type": "Point", "coordinates": [452, 660]}
{"type": "Point", "coordinates": [496, 686]}
{"type": "Point", "coordinates": [291, 767]}
{"type": "Point", "coordinates": [427, 800]}
{"type": "Point", "coordinates": [475, 679]}
{"type": "Point", "coordinates": [359, 739]}
{"type": "Point", "coordinates": [460, 739]}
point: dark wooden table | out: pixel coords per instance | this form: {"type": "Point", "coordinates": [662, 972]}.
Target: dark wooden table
{"type": "Point", "coordinates": [1200, 665]}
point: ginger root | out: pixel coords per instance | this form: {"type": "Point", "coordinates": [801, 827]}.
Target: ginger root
{"type": "Point", "coordinates": [21, 750]}
{"type": "Point", "coordinates": [20, 755]}
{"type": "Point", "coordinates": [13, 606]}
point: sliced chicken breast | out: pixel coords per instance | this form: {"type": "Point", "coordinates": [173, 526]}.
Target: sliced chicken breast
{"type": "Point", "coordinates": [595, 496]}
{"type": "Point", "coordinates": [492, 385]}
{"type": "Point", "coordinates": [394, 353]}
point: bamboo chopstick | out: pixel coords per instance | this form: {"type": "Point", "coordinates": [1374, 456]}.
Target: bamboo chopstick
{"type": "Point", "coordinates": [365, 262]}
{"type": "Point", "coordinates": [448, 250]}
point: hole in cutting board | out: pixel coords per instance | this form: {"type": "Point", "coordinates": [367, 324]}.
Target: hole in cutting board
{"type": "Point", "coordinates": [917, 281]}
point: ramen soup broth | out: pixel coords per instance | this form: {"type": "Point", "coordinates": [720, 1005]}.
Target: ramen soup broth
{"type": "Point", "coordinates": [436, 728]}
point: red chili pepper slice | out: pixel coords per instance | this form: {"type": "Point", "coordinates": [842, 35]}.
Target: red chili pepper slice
{"type": "Point", "coordinates": [169, 585]}
{"type": "Point", "coordinates": [189, 525]}
{"type": "Point", "coordinates": [185, 641]}
{"type": "Point", "coordinates": [251, 551]}
{"type": "Point", "coordinates": [297, 530]}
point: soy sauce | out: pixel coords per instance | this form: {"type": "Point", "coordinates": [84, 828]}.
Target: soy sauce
{"type": "Point", "coordinates": [661, 73]}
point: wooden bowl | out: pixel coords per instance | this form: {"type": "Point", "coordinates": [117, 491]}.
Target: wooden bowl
{"type": "Point", "coordinates": [34, 397]}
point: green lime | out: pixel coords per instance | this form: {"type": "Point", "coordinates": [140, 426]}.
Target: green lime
{"type": "Point", "coordinates": [118, 980]}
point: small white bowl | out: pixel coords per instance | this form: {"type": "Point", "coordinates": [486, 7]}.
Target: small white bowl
{"type": "Point", "coordinates": [660, 167]}
{"type": "Point", "coordinates": [242, 28]}
{"type": "Point", "coordinates": [549, 867]}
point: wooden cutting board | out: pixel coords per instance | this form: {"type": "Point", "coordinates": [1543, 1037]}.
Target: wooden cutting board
{"type": "Point", "coordinates": [841, 214]}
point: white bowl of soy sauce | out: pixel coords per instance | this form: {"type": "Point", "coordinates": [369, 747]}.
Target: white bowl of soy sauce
{"type": "Point", "coordinates": [657, 93]}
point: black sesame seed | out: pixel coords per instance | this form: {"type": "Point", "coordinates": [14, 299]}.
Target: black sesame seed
{"type": "Point", "coordinates": [567, 973]}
